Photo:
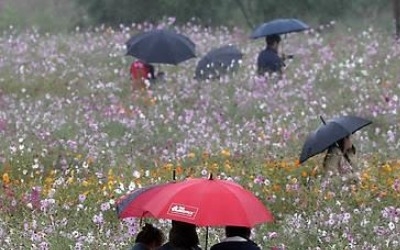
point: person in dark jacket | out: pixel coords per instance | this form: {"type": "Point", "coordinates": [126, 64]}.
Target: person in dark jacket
{"type": "Point", "coordinates": [268, 60]}
{"type": "Point", "coordinates": [149, 238]}
{"type": "Point", "coordinates": [340, 160]}
{"type": "Point", "coordinates": [237, 238]}
{"type": "Point", "coordinates": [182, 236]}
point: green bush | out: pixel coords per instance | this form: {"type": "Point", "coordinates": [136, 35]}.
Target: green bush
{"type": "Point", "coordinates": [48, 15]}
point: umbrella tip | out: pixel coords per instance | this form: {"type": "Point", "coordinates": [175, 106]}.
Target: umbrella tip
{"type": "Point", "coordinates": [210, 176]}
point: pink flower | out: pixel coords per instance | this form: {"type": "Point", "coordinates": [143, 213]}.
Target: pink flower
{"type": "Point", "coordinates": [81, 198]}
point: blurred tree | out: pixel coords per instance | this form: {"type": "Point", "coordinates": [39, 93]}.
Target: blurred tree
{"type": "Point", "coordinates": [212, 12]}
{"type": "Point", "coordinates": [130, 11]}
{"type": "Point", "coordinates": [47, 15]}
{"type": "Point", "coordinates": [396, 8]}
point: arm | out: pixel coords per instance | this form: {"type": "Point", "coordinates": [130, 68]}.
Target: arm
{"type": "Point", "coordinates": [151, 68]}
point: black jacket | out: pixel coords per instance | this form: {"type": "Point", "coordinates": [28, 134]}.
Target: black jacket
{"type": "Point", "coordinates": [168, 246]}
{"type": "Point", "coordinates": [234, 245]}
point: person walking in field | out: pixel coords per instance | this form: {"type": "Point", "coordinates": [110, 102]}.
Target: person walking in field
{"type": "Point", "coordinates": [141, 75]}
{"type": "Point", "coordinates": [268, 60]}
{"type": "Point", "coordinates": [340, 160]}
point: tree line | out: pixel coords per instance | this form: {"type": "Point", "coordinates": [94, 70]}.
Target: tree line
{"type": "Point", "coordinates": [227, 12]}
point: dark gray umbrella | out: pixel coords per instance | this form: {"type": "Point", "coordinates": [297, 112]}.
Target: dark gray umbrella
{"type": "Point", "coordinates": [329, 133]}
{"type": "Point", "coordinates": [279, 27]}
{"type": "Point", "coordinates": [161, 46]}
{"type": "Point", "coordinates": [218, 61]}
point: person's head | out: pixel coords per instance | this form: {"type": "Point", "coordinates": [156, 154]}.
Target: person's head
{"type": "Point", "coordinates": [273, 41]}
{"type": "Point", "coordinates": [183, 235]}
{"type": "Point", "coordinates": [345, 144]}
{"type": "Point", "coordinates": [232, 231]}
{"type": "Point", "coordinates": [150, 236]}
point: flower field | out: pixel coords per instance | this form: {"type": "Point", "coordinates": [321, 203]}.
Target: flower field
{"type": "Point", "coordinates": [75, 138]}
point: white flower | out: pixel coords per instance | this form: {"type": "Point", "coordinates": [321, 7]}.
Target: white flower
{"type": "Point", "coordinates": [131, 186]}
{"type": "Point", "coordinates": [136, 174]}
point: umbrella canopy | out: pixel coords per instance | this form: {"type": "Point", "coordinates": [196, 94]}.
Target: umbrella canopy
{"type": "Point", "coordinates": [329, 133]}
{"type": "Point", "coordinates": [161, 46]}
{"type": "Point", "coordinates": [131, 205]}
{"type": "Point", "coordinates": [208, 202]}
{"type": "Point", "coordinates": [279, 27]}
{"type": "Point", "coordinates": [218, 61]}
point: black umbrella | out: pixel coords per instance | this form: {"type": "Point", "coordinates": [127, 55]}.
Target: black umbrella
{"type": "Point", "coordinates": [218, 61]}
{"type": "Point", "coordinates": [279, 27]}
{"type": "Point", "coordinates": [161, 46]}
{"type": "Point", "coordinates": [329, 133]}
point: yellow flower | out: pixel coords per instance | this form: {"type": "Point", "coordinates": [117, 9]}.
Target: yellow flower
{"type": "Point", "coordinates": [191, 155]}
{"type": "Point", "coordinates": [70, 180]}
{"type": "Point", "coordinates": [227, 165]}
{"type": "Point", "coordinates": [6, 179]}
{"type": "Point", "coordinates": [90, 160]}
{"type": "Point", "coordinates": [226, 152]}
{"type": "Point", "coordinates": [276, 188]}
{"type": "Point", "coordinates": [179, 169]}
{"type": "Point", "coordinates": [365, 176]}
{"type": "Point", "coordinates": [48, 181]}
{"type": "Point", "coordinates": [169, 166]}
{"type": "Point", "coordinates": [329, 195]}
{"type": "Point", "coordinates": [387, 168]}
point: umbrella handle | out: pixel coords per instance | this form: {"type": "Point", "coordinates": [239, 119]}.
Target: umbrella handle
{"type": "Point", "coordinates": [206, 245]}
{"type": "Point", "coordinates": [322, 119]}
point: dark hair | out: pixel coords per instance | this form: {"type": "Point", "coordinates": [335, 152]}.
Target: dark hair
{"type": "Point", "coordinates": [232, 231]}
{"type": "Point", "coordinates": [271, 39]}
{"type": "Point", "coordinates": [341, 144]}
{"type": "Point", "coordinates": [183, 235]}
{"type": "Point", "coordinates": [149, 235]}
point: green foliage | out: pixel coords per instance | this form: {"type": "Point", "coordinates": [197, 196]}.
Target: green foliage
{"type": "Point", "coordinates": [48, 15]}
{"type": "Point", "coordinates": [230, 12]}
{"type": "Point", "coordinates": [62, 15]}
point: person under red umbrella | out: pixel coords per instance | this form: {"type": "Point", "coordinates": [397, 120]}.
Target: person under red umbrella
{"type": "Point", "coordinates": [237, 238]}
{"type": "Point", "coordinates": [182, 236]}
{"type": "Point", "coordinates": [149, 238]}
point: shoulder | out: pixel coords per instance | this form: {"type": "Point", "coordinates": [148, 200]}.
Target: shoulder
{"type": "Point", "coordinates": [246, 245]}
{"type": "Point", "coordinates": [166, 246]}
{"type": "Point", "coordinates": [138, 246]}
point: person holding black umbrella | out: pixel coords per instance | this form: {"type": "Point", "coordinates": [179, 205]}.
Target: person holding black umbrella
{"type": "Point", "coordinates": [141, 72]}
{"type": "Point", "coordinates": [339, 160]}
{"type": "Point", "coordinates": [334, 136]}
{"type": "Point", "coordinates": [268, 60]}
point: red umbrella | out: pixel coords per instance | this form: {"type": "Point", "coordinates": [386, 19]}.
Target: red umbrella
{"type": "Point", "coordinates": [131, 205]}
{"type": "Point", "coordinates": [208, 202]}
